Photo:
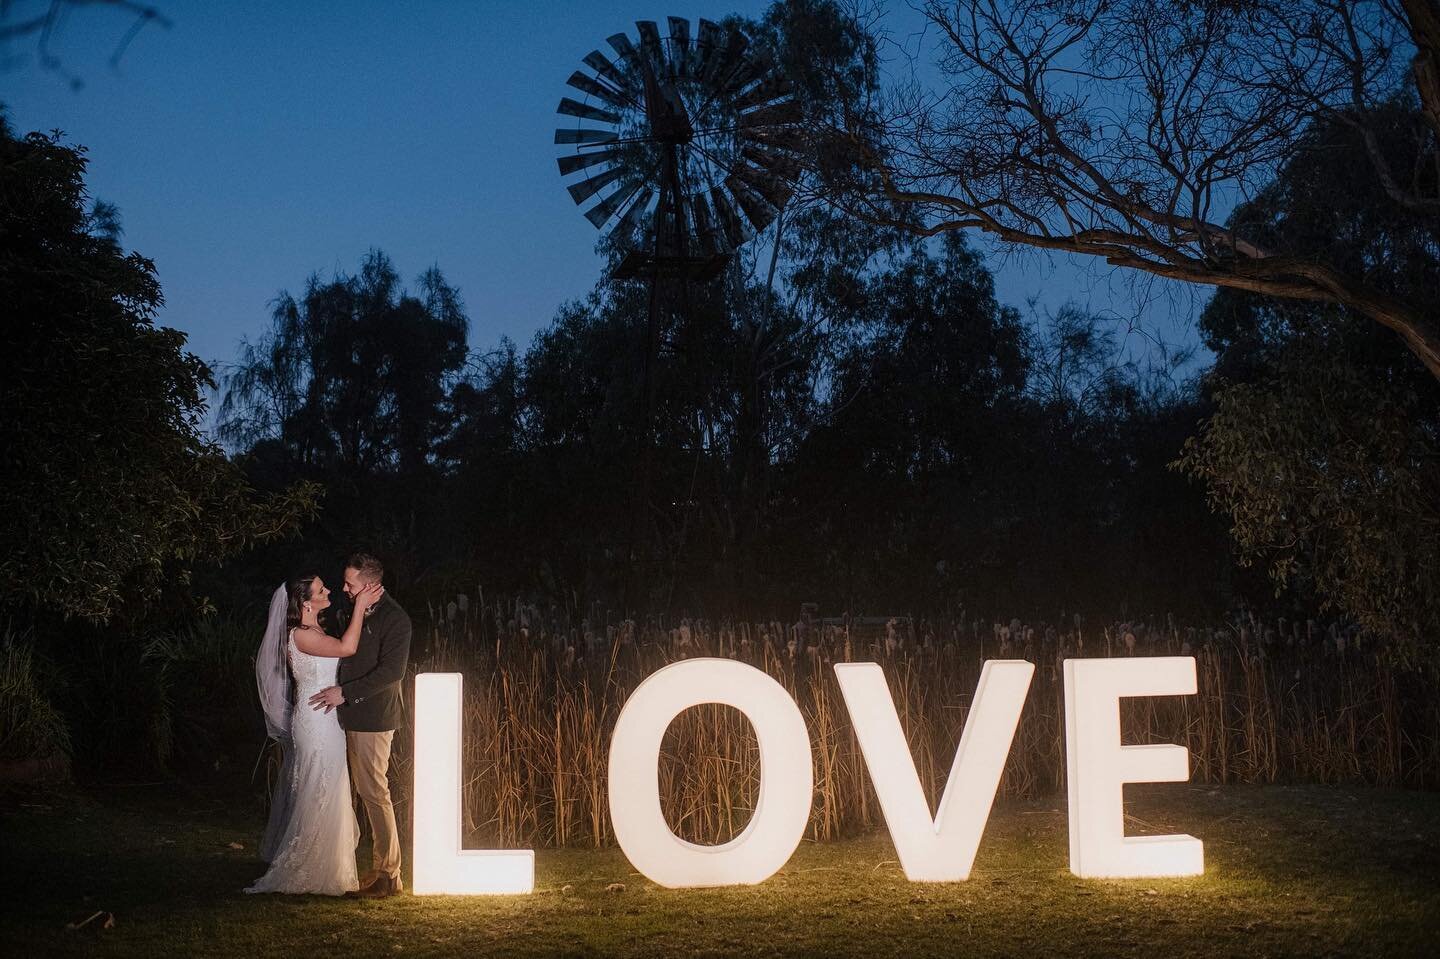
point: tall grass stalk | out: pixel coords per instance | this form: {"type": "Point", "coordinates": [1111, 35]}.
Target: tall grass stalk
{"type": "Point", "coordinates": [1276, 703]}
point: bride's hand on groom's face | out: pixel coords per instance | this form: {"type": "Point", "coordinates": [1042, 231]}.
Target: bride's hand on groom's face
{"type": "Point", "coordinates": [368, 596]}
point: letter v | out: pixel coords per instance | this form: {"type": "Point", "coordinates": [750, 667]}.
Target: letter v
{"type": "Point", "coordinates": [940, 849]}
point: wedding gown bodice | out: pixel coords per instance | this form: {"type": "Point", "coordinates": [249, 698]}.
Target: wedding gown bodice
{"type": "Point", "coordinates": [312, 673]}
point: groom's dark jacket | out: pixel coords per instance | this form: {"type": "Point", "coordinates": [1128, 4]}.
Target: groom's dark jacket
{"type": "Point", "coordinates": [371, 679]}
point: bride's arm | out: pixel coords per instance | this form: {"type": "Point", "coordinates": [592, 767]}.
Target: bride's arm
{"type": "Point", "coordinates": [316, 642]}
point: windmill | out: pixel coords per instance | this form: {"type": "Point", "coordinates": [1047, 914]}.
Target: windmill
{"type": "Point", "coordinates": [684, 147]}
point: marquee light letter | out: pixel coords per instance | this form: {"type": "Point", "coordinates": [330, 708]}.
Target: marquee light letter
{"type": "Point", "coordinates": [1097, 768]}
{"type": "Point", "coordinates": [941, 849]}
{"type": "Point", "coordinates": [442, 867]}
{"type": "Point", "coordinates": [786, 776]}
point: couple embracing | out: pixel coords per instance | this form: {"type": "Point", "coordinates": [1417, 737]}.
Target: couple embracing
{"type": "Point", "coordinates": [334, 704]}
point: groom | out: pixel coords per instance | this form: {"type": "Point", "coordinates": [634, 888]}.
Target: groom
{"type": "Point", "coordinates": [369, 701]}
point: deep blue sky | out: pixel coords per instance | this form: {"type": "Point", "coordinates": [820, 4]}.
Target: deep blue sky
{"type": "Point", "coordinates": [251, 144]}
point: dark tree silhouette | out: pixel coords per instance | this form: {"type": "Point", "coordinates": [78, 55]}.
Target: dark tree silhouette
{"type": "Point", "coordinates": [1324, 451]}
{"type": "Point", "coordinates": [354, 375]}
{"type": "Point", "coordinates": [109, 494]}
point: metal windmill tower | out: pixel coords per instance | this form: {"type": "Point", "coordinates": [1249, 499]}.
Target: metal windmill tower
{"type": "Point", "coordinates": [684, 147]}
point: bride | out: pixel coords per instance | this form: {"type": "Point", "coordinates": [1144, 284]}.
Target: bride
{"type": "Point", "coordinates": [311, 836]}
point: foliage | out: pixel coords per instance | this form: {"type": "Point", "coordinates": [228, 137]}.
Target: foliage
{"type": "Point", "coordinates": [109, 494]}
{"type": "Point", "coordinates": [1324, 450]}
{"type": "Point", "coordinates": [353, 375]}
{"type": "Point", "coordinates": [868, 428]}
{"type": "Point", "coordinates": [208, 677]}
{"type": "Point", "coordinates": [30, 725]}
{"type": "Point", "coordinates": [1333, 479]}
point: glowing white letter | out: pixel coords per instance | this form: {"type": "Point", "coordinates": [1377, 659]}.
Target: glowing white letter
{"type": "Point", "coordinates": [441, 865]}
{"type": "Point", "coordinates": [786, 777]}
{"type": "Point", "coordinates": [940, 849]}
{"type": "Point", "coordinates": [1098, 767]}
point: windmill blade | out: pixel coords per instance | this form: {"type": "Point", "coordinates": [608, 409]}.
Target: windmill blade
{"type": "Point", "coordinates": [754, 208]}
{"type": "Point", "coordinates": [679, 45]}
{"type": "Point", "coordinates": [770, 88]}
{"type": "Point", "coordinates": [707, 47]}
{"type": "Point", "coordinates": [707, 234]}
{"type": "Point", "coordinates": [775, 190]}
{"type": "Point", "coordinates": [635, 212]}
{"type": "Point", "coordinates": [574, 108]}
{"type": "Point", "coordinates": [725, 213]}
{"type": "Point", "coordinates": [746, 72]}
{"type": "Point", "coordinates": [622, 45]}
{"type": "Point", "coordinates": [590, 186]}
{"type": "Point", "coordinates": [730, 56]}
{"type": "Point", "coordinates": [605, 209]}
{"type": "Point", "coordinates": [573, 164]}
{"type": "Point", "coordinates": [650, 46]}
{"type": "Point", "coordinates": [776, 114]}
{"type": "Point", "coordinates": [567, 135]}
{"type": "Point", "coordinates": [596, 61]}
{"type": "Point", "coordinates": [785, 138]}
{"type": "Point", "coordinates": [596, 89]}
{"type": "Point", "coordinates": [737, 190]}
{"type": "Point", "coordinates": [785, 167]}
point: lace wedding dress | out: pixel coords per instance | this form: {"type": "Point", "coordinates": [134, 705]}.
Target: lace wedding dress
{"type": "Point", "coordinates": [316, 854]}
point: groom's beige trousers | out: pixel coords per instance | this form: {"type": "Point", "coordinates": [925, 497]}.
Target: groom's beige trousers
{"type": "Point", "coordinates": [369, 755]}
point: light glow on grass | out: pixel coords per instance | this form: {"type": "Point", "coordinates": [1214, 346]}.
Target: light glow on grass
{"type": "Point", "coordinates": [939, 849]}
{"type": "Point", "coordinates": [441, 865]}
{"type": "Point", "coordinates": [786, 777]}
{"type": "Point", "coordinates": [1097, 768]}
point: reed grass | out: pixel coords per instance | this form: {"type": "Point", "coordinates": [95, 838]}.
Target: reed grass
{"type": "Point", "coordinates": [1276, 702]}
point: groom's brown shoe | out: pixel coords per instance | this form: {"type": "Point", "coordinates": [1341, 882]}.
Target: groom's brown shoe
{"type": "Point", "coordinates": [382, 887]}
{"type": "Point", "coordinates": [365, 880]}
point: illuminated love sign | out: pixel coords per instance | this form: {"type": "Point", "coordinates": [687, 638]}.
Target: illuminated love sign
{"type": "Point", "coordinates": [441, 865]}
{"type": "Point", "coordinates": [936, 848]}
{"type": "Point", "coordinates": [783, 808]}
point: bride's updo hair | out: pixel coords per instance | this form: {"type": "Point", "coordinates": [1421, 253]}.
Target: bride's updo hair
{"type": "Point", "coordinates": [298, 590]}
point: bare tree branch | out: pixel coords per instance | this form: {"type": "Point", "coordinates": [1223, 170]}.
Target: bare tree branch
{"type": "Point", "coordinates": [1129, 129]}
{"type": "Point", "coordinates": [46, 25]}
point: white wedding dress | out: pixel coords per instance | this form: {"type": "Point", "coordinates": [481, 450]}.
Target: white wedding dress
{"type": "Point", "coordinates": [316, 854]}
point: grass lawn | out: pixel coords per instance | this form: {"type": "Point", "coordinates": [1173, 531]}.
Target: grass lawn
{"type": "Point", "coordinates": [1306, 871]}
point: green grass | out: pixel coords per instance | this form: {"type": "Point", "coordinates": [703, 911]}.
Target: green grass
{"type": "Point", "coordinates": [1289, 871]}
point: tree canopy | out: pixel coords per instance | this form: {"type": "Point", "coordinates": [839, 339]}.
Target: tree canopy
{"type": "Point", "coordinates": [109, 492]}
{"type": "Point", "coordinates": [1324, 449]}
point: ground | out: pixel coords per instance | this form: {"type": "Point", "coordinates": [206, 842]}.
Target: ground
{"type": "Point", "coordinates": [1309, 871]}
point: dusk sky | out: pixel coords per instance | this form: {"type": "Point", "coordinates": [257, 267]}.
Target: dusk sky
{"type": "Point", "coordinates": [250, 145]}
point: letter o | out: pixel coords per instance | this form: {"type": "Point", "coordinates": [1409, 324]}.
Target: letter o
{"type": "Point", "coordinates": [786, 775]}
